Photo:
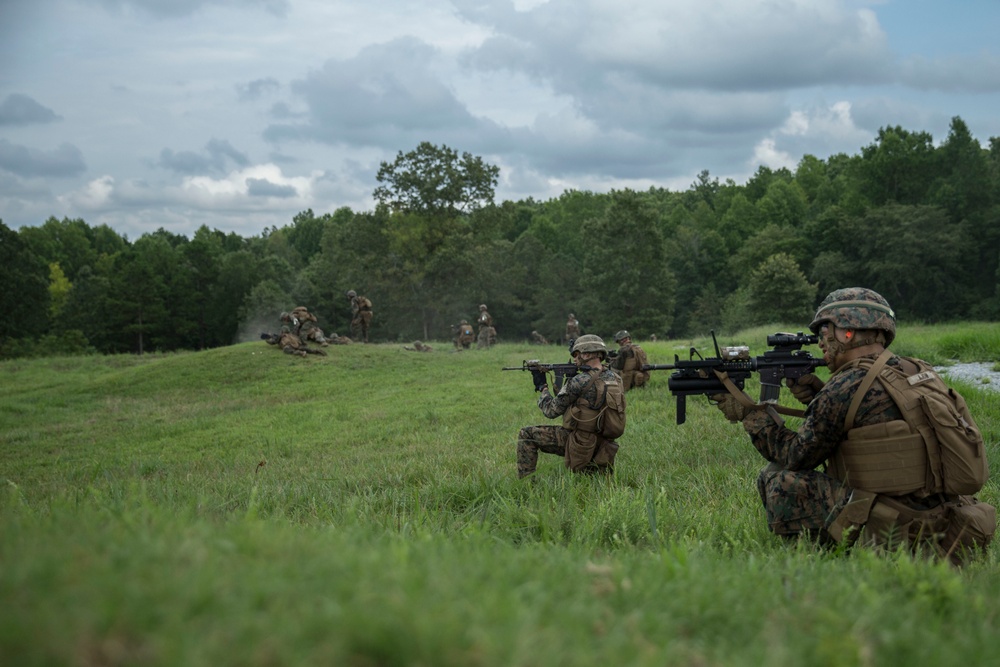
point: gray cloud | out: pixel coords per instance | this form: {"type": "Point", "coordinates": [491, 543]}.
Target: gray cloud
{"type": "Point", "coordinates": [63, 162]}
{"type": "Point", "coordinates": [261, 187]}
{"type": "Point", "coordinates": [189, 163]}
{"type": "Point", "coordinates": [178, 8]}
{"type": "Point", "coordinates": [388, 96]}
{"type": "Point", "coordinates": [980, 74]}
{"type": "Point", "coordinates": [257, 88]}
{"type": "Point", "coordinates": [19, 109]}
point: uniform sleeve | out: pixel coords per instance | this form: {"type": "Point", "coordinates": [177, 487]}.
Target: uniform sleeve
{"type": "Point", "coordinates": [818, 437]}
{"type": "Point", "coordinates": [554, 406]}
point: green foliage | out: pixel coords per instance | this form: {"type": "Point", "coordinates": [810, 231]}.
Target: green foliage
{"type": "Point", "coordinates": [917, 222]}
{"type": "Point", "coordinates": [779, 292]}
{"type": "Point", "coordinates": [232, 506]}
{"type": "Point", "coordinates": [432, 180]}
{"type": "Point", "coordinates": [24, 299]}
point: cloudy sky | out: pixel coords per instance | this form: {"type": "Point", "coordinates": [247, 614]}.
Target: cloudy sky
{"type": "Point", "coordinates": [238, 114]}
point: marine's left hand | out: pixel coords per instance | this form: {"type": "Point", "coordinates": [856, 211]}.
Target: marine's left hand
{"type": "Point", "coordinates": [538, 378]}
{"type": "Point", "coordinates": [730, 406]}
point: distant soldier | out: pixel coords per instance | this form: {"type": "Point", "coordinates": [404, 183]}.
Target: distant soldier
{"type": "Point", "coordinates": [652, 338]}
{"type": "Point", "coordinates": [418, 347]}
{"type": "Point", "coordinates": [303, 324]}
{"type": "Point", "coordinates": [336, 339]}
{"type": "Point", "coordinates": [538, 339]}
{"type": "Point", "coordinates": [464, 335]}
{"type": "Point", "coordinates": [361, 315]}
{"type": "Point", "coordinates": [629, 360]}
{"type": "Point", "coordinates": [290, 343]}
{"type": "Point", "coordinates": [487, 334]}
{"type": "Point", "coordinates": [592, 407]}
{"type": "Point", "coordinates": [572, 329]}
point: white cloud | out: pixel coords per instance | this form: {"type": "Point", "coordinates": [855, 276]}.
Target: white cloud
{"type": "Point", "coordinates": [94, 196]}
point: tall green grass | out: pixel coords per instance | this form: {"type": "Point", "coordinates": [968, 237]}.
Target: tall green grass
{"type": "Point", "coordinates": [239, 506]}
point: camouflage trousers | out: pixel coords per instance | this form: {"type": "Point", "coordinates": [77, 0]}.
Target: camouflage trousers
{"type": "Point", "coordinates": [360, 324]}
{"type": "Point", "coordinates": [550, 439]}
{"type": "Point", "coordinates": [800, 502]}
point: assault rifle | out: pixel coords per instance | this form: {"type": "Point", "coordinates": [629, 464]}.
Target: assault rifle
{"type": "Point", "coordinates": [562, 371]}
{"type": "Point", "coordinates": [698, 375]}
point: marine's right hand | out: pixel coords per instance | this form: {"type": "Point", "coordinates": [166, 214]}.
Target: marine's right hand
{"type": "Point", "coordinates": [805, 388]}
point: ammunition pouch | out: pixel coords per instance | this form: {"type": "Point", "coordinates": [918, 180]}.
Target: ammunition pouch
{"type": "Point", "coordinates": [955, 529]}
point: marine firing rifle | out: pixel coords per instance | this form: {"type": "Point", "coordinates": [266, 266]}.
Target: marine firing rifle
{"type": "Point", "coordinates": [702, 376]}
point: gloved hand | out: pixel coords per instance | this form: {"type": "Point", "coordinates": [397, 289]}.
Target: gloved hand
{"type": "Point", "coordinates": [538, 377]}
{"type": "Point", "coordinates": [804, 388]}
{"type": "Point", "coordinates": [730, 406]}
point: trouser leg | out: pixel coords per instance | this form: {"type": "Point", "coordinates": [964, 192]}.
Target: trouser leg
{"type": "Point", "coordinates": [533, 439]}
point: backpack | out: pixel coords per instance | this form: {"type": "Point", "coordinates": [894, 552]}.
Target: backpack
{"type": "Point", "coordinates": [611, 422]}
{"type": "Point", "coordinates": [952, 458]}
{"type": "Point", "coordinates": [607, 417]}
{"type": "Point", "coordinates": [640, 360]}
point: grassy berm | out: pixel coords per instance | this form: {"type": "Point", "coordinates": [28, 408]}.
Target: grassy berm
{"type": "Point", "coordinates": [239, 506]}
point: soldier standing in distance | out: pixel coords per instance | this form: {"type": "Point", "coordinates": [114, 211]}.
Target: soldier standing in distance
{"type": "Point", "coordinates": [572, 329]}
{"type": "Point", "coordinates": [361, 315]}
{"type": "Point", "coordinates": [487, 335]}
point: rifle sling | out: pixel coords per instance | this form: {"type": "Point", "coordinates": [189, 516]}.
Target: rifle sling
{"type": "Point", "coordinates": [866, 384]}
{"type": "Point", "coordinates": [748, 402]}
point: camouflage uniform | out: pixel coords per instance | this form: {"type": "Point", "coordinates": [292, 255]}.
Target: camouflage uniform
{"type": "Point", "coordinates": [538, 339]}
{"type": "Point", "coordinates": [629, 362]}
{"type": "Point", "coordinates": [560, 441]}
{"type": "Point", "coordinates": [418, 346]}
{"type": "Point", "coordinates": [303, 324]}
{"type": "Point", "coordinates": [797, 498]}
{"type": "Point", "coordinates": [290, 344]}
{"type": "Point", "coordinates": [487, 335]}
{"type": "Point", "coordinates": [361, 315]}
{"type": "Point", "coordinates": [464, 335]}
{"type": "Point", "coordinates": [572, 329]}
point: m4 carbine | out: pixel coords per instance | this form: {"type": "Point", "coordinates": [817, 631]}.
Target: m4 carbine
{"type": "Point", "coordinates": [698, 375]}
{"type": "Point", "coordinates": [562, 372]}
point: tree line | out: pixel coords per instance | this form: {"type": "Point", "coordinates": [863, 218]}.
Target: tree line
{"type": "Point", "coordinates": [918, 222]}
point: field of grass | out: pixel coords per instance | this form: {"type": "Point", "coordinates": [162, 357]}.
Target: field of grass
{"type": "Point", "coordinates": [242, 507]}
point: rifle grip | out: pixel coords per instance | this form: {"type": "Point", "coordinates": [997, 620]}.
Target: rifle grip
{"type": "Point", "coordinates": [681, 408]}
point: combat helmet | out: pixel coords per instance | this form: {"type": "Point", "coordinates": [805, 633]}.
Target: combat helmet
{"type": "Point", "coordinates": [590, 343]}
{"type": "Point", "coordinates": [482, 306]}
{"type": "Point", "coordinates": [622, 335]}
{"type": "Point", "coordinates": [856, 308]}
{"type": "Point", "coordinates": [351, 294]}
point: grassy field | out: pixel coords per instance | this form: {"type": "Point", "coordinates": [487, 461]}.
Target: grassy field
{"type": "Point", "coordinates": [242, 507]}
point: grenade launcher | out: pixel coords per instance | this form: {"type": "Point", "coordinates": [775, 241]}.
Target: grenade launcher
{"type": "Point", "coordinates": [697, 375]}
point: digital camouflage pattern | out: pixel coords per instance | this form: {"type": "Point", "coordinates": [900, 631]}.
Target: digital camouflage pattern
{"type": "Point", "coordinates": [797, 498]}
{"type": "Point", "coordinates": [856, 308]}
{"type": "Point", "coordinates": [553, 439]}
